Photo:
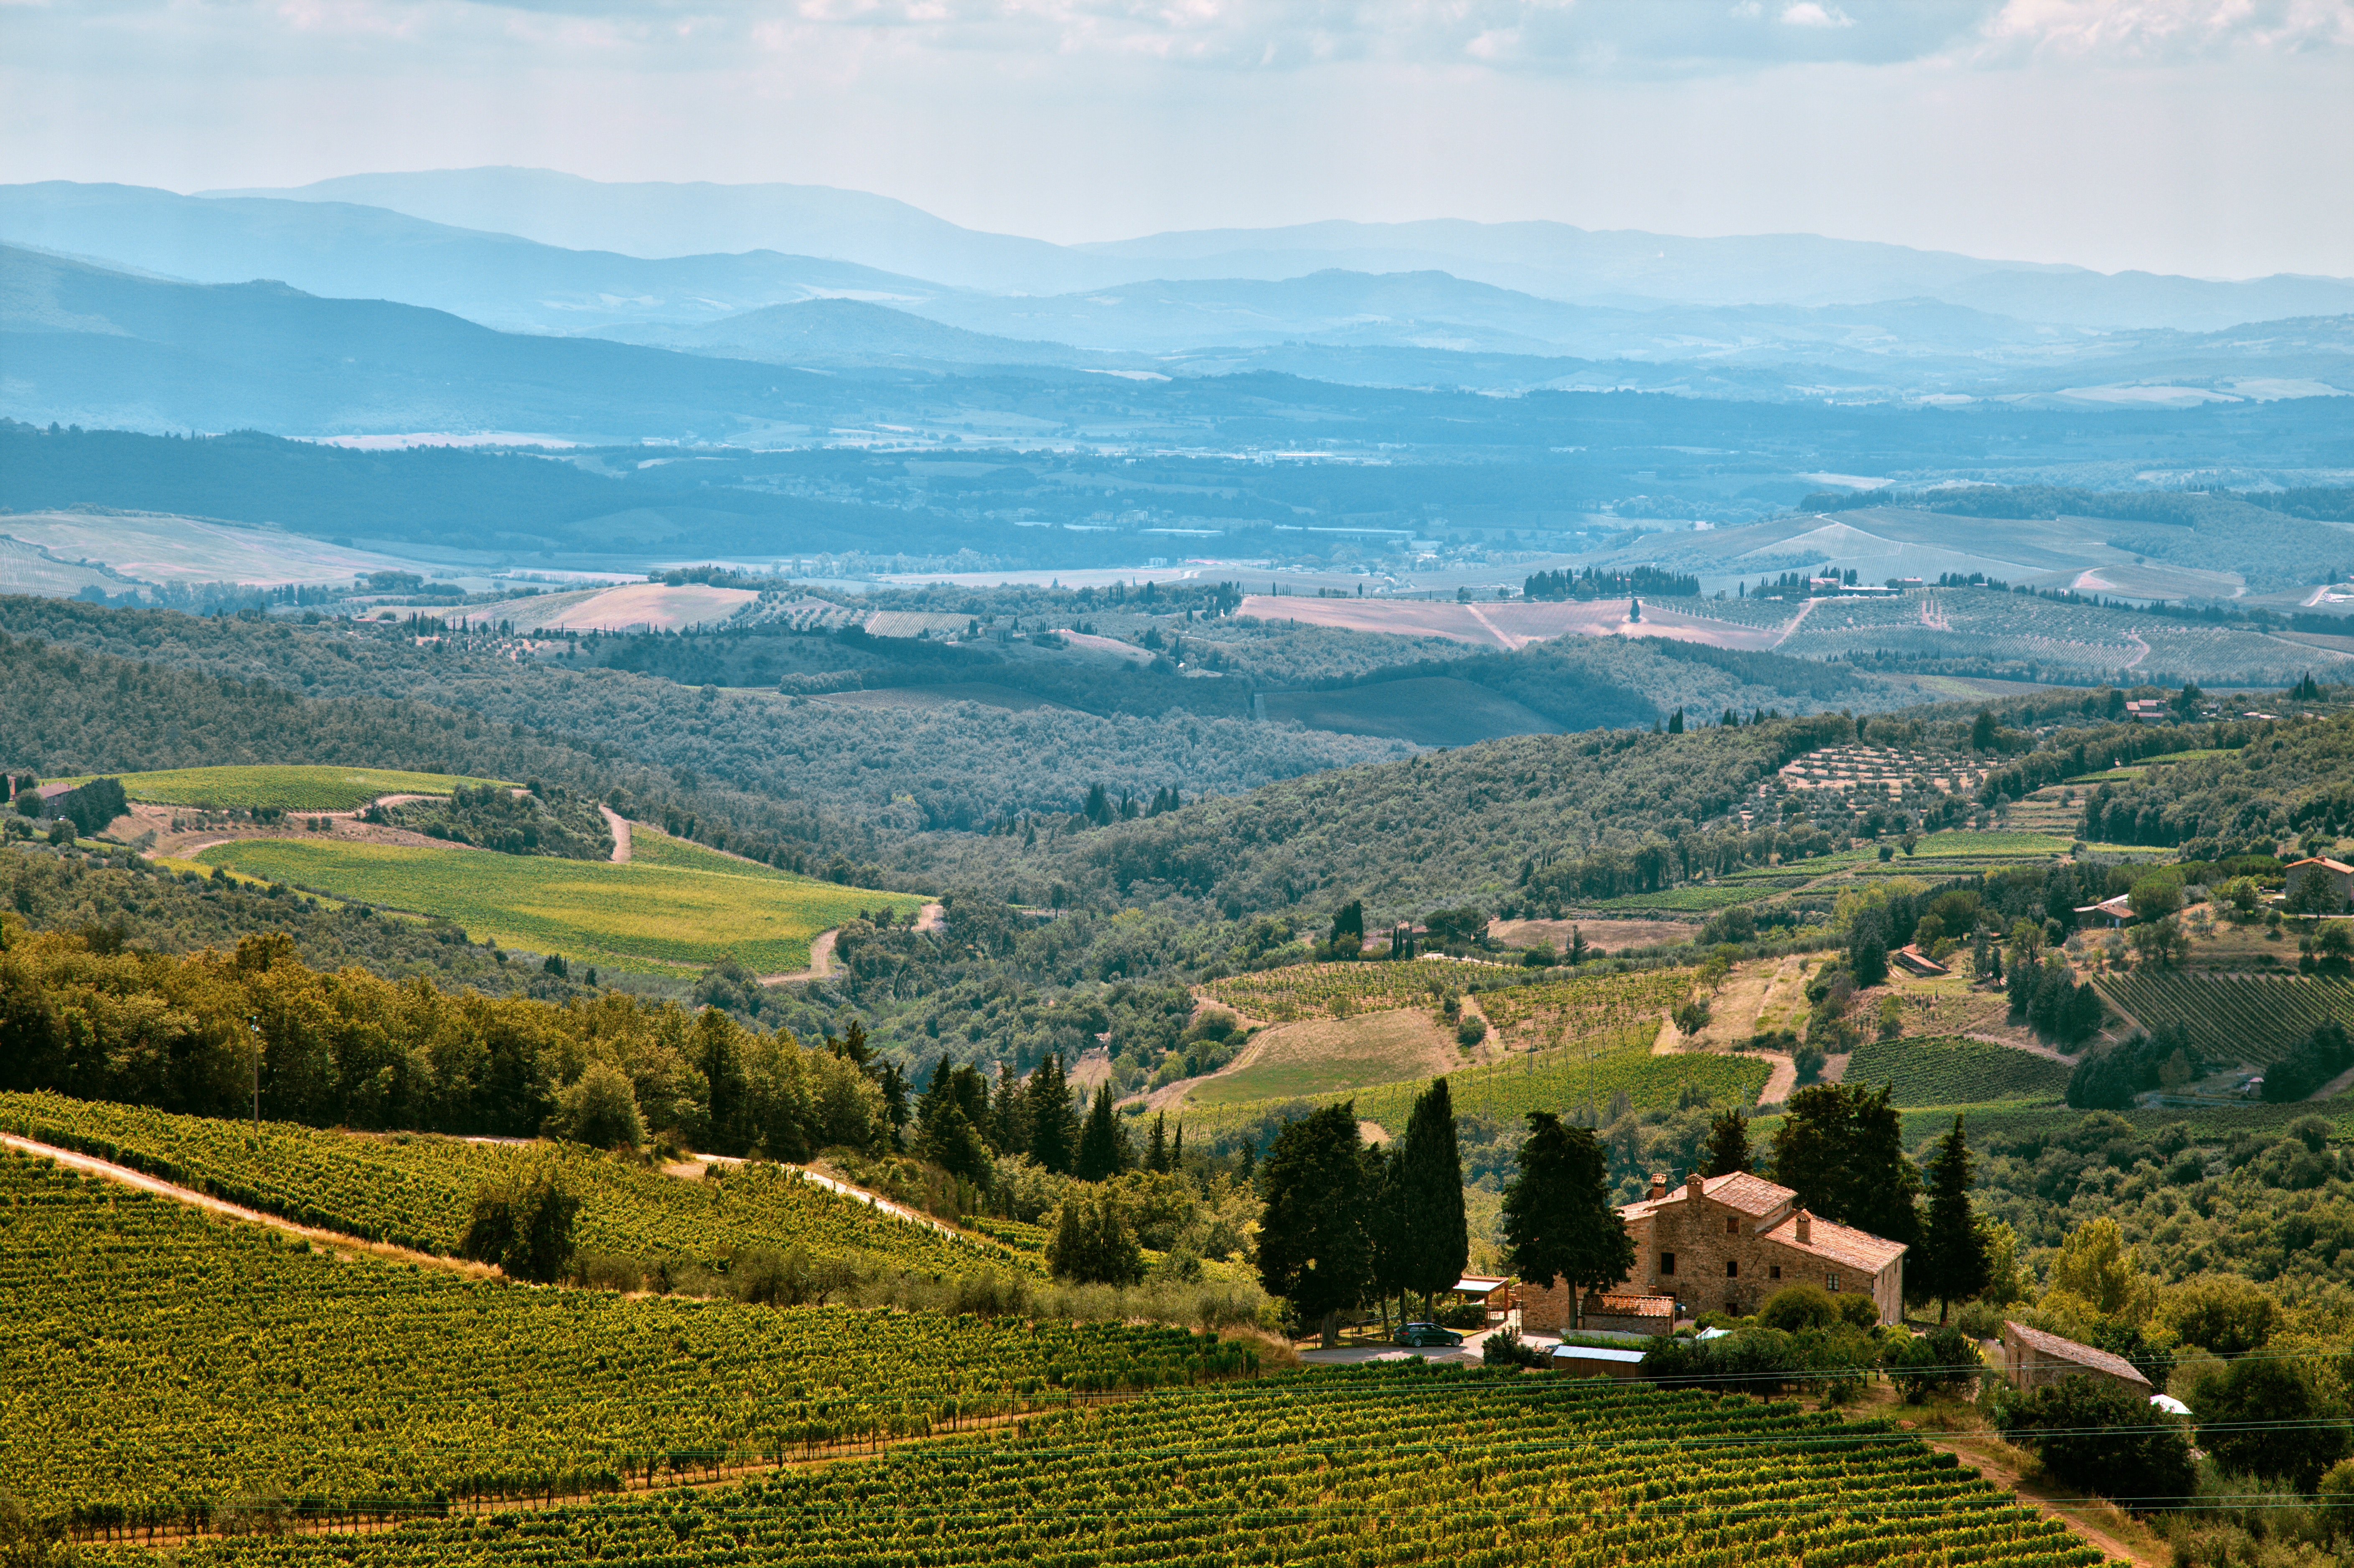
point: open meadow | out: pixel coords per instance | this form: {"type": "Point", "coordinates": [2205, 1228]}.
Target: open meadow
{"type": "Point", "coordinates": [285, 789]}
{"type": "Point", "coordinates": [672, 907]}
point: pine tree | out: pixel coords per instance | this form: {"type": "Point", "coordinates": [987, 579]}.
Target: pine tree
{"type": "Point", "coordinates": [1386, 1231]}
{"type": "Point", "coordinates": [1177, 1147]}
{"type": "Point", "coordinates": [1009, 1115]}
{"type": "Point", "coordinates": [1953, 1265]}
{"type": "Point", "coordinates": [1675, 722]}
{"type": "Point", "coordinates": [1728, 1145]}
{"type": "Point", "coordinates": [1841, 1148]}
{"type": "Point", "coordinates": [1156, 1152]}
{"type": "Point", "coordinates": [1435, 1239]}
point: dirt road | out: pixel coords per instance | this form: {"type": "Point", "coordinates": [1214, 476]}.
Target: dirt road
{"type": "Point", "coordinates": [620, 826]}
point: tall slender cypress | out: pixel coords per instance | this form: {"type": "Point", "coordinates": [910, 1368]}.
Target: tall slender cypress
{"type": "Point", "coordinates": [1436, 1243]}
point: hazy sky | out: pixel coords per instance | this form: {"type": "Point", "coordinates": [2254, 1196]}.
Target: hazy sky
{"type": "Point", "coordinates": [2213, 137]}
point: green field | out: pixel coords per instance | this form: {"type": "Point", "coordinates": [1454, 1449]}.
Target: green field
{"type": "Point", "coordinates": [2134, 770]}
{"type": "Point", "coordinates": [1950, 1070]}
{"type": "Point", "coordinates": [157, 1365]}
{"type": "Point", "coordinates": [288, 788]}
{"type": "Point", "coordinates": [417, 1191]}
{"type": "Point", "coordinates": [672, 907]}
{"type": "Point", "coordinates": [1366, 1466]}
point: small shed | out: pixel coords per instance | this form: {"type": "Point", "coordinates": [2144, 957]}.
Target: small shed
{"type": "Point", "coordinates": [1493, 1293]}
{"type": "Point", "coordinates": [1913, 960]}
{"type": "Point", "coordinates": [1593, 1361]}
{"type": "Point", "coordinates": [2032, 1359]}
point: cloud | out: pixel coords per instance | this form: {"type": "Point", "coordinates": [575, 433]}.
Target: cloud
{"type": "Point", "coordinates": [1806, 14]}
{"type": "Point", "coordinates": [2157, 31]}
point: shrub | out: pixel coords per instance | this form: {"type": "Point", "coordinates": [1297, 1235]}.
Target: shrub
{"type": "Point", "coordinates": [1944, 1358]}
{"type": "Point", "coordinates": [1472, 1030]}
{"type": "Point", "coordinates": [525, 1226]}
{"type": "Point", "coordinates": [1505, 1348]}
{"type": "Point", "coordinates": [2219, 1313]}
{"type": "Point", "coordinates": [2100, 1439]}
{"type": "Point", "coordinates": [1798, 1307]}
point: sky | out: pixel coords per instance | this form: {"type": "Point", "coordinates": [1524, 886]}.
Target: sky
{"type": "Point", "coordinates": [2207, 137]}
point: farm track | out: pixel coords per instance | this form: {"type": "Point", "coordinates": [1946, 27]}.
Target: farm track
{"type": "Point", "coordinates": [820, 962]}
{"type": "Point", "coordinates": [620, 826]}
{"type": "Point", "coordinates": [1790, 627]}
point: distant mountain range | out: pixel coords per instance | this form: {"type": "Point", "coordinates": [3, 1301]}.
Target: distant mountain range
{"type": "Point", "coordinates": [1550, 260]}
{"type": "Point", "coordinates": [1428, 327]}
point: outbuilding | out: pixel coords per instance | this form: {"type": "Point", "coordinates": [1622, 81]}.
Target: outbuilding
{"type": "Point", "coordinates": [2032, 1359]}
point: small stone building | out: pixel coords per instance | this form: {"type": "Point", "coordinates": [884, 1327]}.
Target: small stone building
{"type": "Point", "coordinates": [1726, 1243]}
{"type": "Point", "coordinates": [2032, 1359]}
{"type": "Point", "coordinates": [1547, 1312]}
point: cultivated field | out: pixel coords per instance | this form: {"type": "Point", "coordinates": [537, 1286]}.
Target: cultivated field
{"type": "Point", "coordinates": [667, 908]}
{"type": "Point", "coordinates": [978, 691]}
{"type": "Point", "coordinates": [2233, 1018]}
{"type": "Point", "coordinates": [1953, 1071]}
{"type": "Point", "coordinates": [1324, 1056]}
{"type": "Point", "coordinates": [159, 547]}
{"type": "Point", "coordinates": [1509, 624]}
{"type": "Point", "coordinates": [1371, 1466]}
{"type": "Point", "coordinates": [418, 1190]}
{"type": "Point", "coordinates": [186, 1363]}
{"type": "Point", "coordinates": [1433, 710]}
{"type": "Point", "coordinates": [287, 788]}
{"type": "Point", "coordinates": [635, 606]}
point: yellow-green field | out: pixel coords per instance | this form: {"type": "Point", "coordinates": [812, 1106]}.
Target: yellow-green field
{"type": "Point", "coordinates": [673, 907]}
{"type": "Point", "coordinates": [303, 788]}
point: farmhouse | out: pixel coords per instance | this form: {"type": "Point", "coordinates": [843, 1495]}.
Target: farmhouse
{"type": "Point", "coordinates": [1728, 1243]}
{"type": "Point", "coordinates": [2114, 912]}
{"type": "Point", "coordinates": [2031, 1358]}
{"type": "Point", "coordinates": [2340, 876]}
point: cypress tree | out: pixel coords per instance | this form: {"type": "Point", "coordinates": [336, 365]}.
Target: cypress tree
{"type": "Point", "coordinates": [1053, 1138]}
{"type": "Point", "coordinates": [1954, 1265]}
{"type": "Point", "coordinates": [1156, 1152]}
{"type": "Point", "coordinates": [1559, 1222]}
{"type": "Point", "coordinates": [1312, 1247]}
{"type": "Point", "coordinates": [1435, 1240]}
{"type": "Point", "coordinates": [1728, 1145]}
{"type": "Point", "coordinates": [1103, 1153]}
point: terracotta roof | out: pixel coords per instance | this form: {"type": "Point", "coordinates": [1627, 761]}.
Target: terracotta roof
{"type": "Point", "coordinates": [1840, 1244]}
{"type": "Point", "coordinates": [1750, 1194]}
{"type": "Point", "coordinates": [2070, 1351]}
{"type": "Point", "coordinates": [2324, 862]}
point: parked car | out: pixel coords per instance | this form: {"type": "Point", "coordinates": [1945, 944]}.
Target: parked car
{"type": "Point", "coordinates": [1426, 1334]}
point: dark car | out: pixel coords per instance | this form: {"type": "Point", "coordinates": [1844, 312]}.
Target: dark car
{"type": "Point", "coordinates": [1426, 1334]}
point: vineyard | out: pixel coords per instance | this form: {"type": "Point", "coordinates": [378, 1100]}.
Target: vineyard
{"type": "Point", "coordinates": [417, 1192]}
{"type": "Point", "coordinates": [291, 788]}
{"type": "Point", "coordinates": [1955, 1070]}
{"type": "Point", "coordinates": [1295, 992]}
{"type": "Point", "coordinates": [673, 909]}
{"type": "Point", "coordinates": [1373, 1466]}
{"type": "Point", "coordinates": [1581, 1006]}
{"type": "Point", "coordinates": [1590, 1073]}
{"type": "Point", "coordinates": [156, 1364]}
{"type": "Point", "coordinates": [2232, 1017]}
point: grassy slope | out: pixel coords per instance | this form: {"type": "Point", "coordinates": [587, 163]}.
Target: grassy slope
{"type": "Point", "coordinates": [1955, 1070]}
{"type": "Point", "coordinates": [291, 788]}
{"type": "Point", "coordinates": [672, 907]}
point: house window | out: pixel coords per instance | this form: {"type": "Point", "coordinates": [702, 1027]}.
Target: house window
{"type": "Point", "coordinates": [1732, 1268]}
{"type": "Point", "coordinates": [1667, 1264]}
{"type": "Point", "coordinates": [1733, 1227]}
{"type": "Point", "coordinates": [1773, 1271]}
{"type": "Point", "coordinates": [1831, 1283]}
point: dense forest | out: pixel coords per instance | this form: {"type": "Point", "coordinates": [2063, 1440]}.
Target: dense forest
{"type": "Point", "coordinates": [2273, 782]}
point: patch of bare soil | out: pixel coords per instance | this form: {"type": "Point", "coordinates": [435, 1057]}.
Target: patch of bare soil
{"type": "Point", "coordinates": [180, 831]}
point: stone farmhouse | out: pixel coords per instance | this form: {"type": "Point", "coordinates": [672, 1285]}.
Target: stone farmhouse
{"type": "Point", "coordinates": [2032, 1359]}
{"type": "Point", "coordinates": [1726, 1243]}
